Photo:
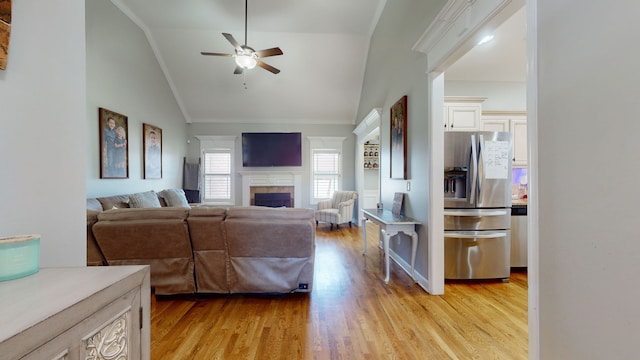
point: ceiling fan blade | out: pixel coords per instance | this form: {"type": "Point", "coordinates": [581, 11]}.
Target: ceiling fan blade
{"type": "Point", "coordinates": [233, 41]}
{"type": "Point", "coordinates": [215, 54]}
{"type": "Point", "coordinates": [268, 67]}
{"type": "Point", "coordinates": [269, 52]}
{"type": "Point", "coordinates": [238, 70]}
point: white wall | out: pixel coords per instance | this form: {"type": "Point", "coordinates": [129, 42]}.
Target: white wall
{"type": "Point", "coordinates": [589, 154]}
{"type": "Point", "coordinates": [123, 75]}
{"type": "Point", "coordinates": [394, 70]}
{"type": "Point", "coordinates": [43, 137]}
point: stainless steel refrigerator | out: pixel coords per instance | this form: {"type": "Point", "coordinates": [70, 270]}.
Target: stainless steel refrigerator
{"type": "Point", "coordinates": [477, 204]}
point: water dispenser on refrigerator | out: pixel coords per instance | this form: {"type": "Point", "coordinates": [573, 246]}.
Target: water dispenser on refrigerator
{"type": "Point", "coordinates": [455, 182]}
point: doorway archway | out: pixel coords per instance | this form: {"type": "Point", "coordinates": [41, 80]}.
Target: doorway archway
{"type": "Point", "coordinates": [457, 29]}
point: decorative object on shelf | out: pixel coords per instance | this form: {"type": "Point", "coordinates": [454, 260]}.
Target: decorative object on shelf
{"type": "Point", "coordinates": [371, 155]}
{"type": "Point", "coordinates": [152, 145]}
{"type": "Point", "coordinates": [398, 200]}
{"type": "Point", "coordinates": [399, 139]}
{"type": "Point", "coordinates": [5, 32]}
{"type": "Point", "coordinates": [19, 256]}
{"type": "Point", "coordinates": [114, 146]}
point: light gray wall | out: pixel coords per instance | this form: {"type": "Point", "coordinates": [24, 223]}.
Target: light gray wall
{"type": "Point", "coordinates": [43, 137]}
{"type": "Point", "coordinates": [226, 129]}
{"type": "Point", "coordinates": [501, 95]}
{"type": "Point", "coordinates": [394, 70]}
{"type": "Point", "coordinates": [123, 75]}
{"type": "Point", "coordinates": [589, 153]}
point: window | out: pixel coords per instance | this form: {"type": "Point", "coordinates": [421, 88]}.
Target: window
{"type": "Point", "coordinates": [326, 173]}
{"type": "Point", "coordinates": [217, 175]}
{"type": "Point", "coordinates": [326, 170]}
{"type": "Point", "coordinates": [217, 170]}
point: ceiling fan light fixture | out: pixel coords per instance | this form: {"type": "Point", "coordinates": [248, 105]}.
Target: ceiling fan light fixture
{"type": "Point", "coordinates": [246, 57]}
{"type": "Point", "coordinates": [246, 61]}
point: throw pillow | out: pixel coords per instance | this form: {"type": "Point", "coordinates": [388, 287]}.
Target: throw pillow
{"type": "Point", "coordinates": [147, 199]}
{"type": "Point", "coordinates": [175, 198]}
{"type": "Point", "coordinates": [117, 201]}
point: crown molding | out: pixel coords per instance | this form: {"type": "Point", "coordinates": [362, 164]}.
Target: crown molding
{"type": "Point", "coordinates": [465, 99]}
{"type": "Point", "coordinates": [504, 113]}
{"type": "Point", "coordinates": [458, 27]}
{"type": "Point", "coordinates": [371, 121]}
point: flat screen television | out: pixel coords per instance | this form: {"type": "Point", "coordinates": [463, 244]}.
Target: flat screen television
{"type": "Point", "coordinates": [268, 149]}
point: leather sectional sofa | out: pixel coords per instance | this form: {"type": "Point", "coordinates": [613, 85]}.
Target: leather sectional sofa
{"type": "Point", "coordinates": [207, 249]}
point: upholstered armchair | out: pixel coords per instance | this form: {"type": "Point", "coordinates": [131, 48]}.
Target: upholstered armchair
{"type": "Point", "coordinates": [337, 210]}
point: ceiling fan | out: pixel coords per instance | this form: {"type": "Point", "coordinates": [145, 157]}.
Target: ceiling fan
{"type": "Point", "coordinates": [246, 57]}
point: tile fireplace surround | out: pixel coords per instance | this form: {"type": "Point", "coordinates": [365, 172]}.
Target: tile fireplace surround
{"type": "Point", "coordinates": [272, 181]}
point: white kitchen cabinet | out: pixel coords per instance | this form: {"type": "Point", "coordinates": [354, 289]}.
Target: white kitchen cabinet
{"type": "Point", "coordinates": [516, 124]}
{"type": "Point", "coordinates": [77, 313]}
{"type": "Point", "coordinates": [519, 131]}
{"type": "Point", "coordinates": [495, 125]}
{"type": "Point", "coordinates": [462, 113]}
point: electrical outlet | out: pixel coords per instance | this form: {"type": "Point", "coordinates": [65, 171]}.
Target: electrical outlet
{"type": "Point", "coordinates": [408, 185]}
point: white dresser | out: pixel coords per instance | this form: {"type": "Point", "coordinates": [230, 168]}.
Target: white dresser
{"type": "Point", "coordinates": [88, 313]}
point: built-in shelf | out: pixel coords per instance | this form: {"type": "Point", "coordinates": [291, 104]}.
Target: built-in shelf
{"type": "Point", "coordinates": [371, 156]}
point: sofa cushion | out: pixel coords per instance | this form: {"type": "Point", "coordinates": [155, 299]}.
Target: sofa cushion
{"type": "Point", "coordinates": [134, 214]}
{"type": "Point", "coordinates": [147, 199]}
{"type": "Point", "coordinates": [117, 201]}
{"type": "Point", "coordinates": [175, 198]}
{"type": "Point", "coordinates": [94, 205]}
{"type": "Point", "coordinates": [207, 211]}
{"type": "Point", "coordinates": [259, 212]}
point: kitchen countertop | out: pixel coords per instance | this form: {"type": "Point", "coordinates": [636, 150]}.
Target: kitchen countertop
{"type": "Point", "coordinates": [519, 202]}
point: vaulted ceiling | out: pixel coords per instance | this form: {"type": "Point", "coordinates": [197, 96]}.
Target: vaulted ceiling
{"type": "Point", "coordinates": [325, 45]}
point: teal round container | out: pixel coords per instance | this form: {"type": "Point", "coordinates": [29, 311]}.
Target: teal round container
{"type": "Point", "coordinates": [19, 256]}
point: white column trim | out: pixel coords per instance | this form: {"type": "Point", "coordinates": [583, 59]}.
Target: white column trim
{"type": "Point", "coordinates": [367, 129]}
{"type": "Point", "coordinates": [533, 251]}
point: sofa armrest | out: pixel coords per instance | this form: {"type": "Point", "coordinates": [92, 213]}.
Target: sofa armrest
{"type": "Point", "coordinates": [349, 202]}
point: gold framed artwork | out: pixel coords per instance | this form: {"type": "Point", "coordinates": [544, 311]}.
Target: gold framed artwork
{"type": "Point", "coordinates": [152, 144]}
{"type": "Point", "coordinates": [399, 139]}
{"type": "Point", "coordinates": [114, 147]}
{"type": "Point", "coordinates": [5, 32]}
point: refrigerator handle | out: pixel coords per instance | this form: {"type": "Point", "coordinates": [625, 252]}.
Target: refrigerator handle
{"type": "Point", "coordinates": [492, 235]}
{"type": "Point", "coordinates": [474, 170]}
{"type": "Point", "coordinates": [480, 166]}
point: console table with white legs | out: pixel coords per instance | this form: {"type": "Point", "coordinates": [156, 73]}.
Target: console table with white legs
{"type": "Point", "coordinates": [391, 224]}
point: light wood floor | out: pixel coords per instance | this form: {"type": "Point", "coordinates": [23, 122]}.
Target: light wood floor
{"type": "Point", "coordinates": [351, 314]}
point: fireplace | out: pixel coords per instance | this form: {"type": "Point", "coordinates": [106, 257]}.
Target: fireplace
{"type": "Point", "coordinates": [272, 196]}
{"type": "Point", "coordinates": [273, 199]}
{"type": "Point", "coordinates": [256, 182]}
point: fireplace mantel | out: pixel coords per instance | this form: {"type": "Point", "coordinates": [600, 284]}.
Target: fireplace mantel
{"type": "Point", "coordinates": [271, 178]}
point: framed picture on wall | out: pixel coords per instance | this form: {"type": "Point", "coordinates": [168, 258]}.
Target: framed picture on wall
{"type": "Point", "coordinates": [114, 147]}
{"type": "Point", "coordinates": [152, 144]}
{"type": "Point", "coordinates": [399, 139]}
{"type": "Point", "coordinates": [5, 32]}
